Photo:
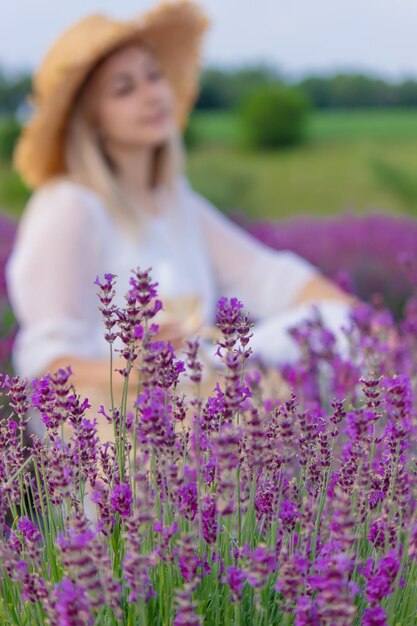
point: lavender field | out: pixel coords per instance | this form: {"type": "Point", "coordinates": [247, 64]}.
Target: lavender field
{"type": "Point", "coordinates": [262, 510]}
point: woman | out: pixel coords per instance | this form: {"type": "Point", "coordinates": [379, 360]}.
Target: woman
{"type": "Point", "coordinates": [105, 155]}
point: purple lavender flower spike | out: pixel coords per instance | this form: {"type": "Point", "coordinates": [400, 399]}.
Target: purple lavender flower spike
{"type": "Point", "coordinates": [121, 500]}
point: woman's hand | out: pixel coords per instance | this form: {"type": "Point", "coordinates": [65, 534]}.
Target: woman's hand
{"type": "Point", "coordinates": [319, 288]}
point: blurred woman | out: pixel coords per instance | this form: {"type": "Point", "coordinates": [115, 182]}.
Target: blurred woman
{"type": "Point", "coordinates": [105, 157]}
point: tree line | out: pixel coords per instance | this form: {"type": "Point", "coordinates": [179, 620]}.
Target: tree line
{"type": "Point", "coordinates": [225, 88]}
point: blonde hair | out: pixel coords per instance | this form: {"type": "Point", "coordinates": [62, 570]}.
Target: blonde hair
{"type": "Point", "coordinates": [88, 164]}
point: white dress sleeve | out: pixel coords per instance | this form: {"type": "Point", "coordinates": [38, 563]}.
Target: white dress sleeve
{"type": "Point", "coordinates": [266, 281]}
{"type": "Point", "coordinates": [50, 278]}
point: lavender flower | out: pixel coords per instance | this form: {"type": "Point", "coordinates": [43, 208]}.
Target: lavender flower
{"type": "Point", "coordinates": [209, 518]}
{"type": "Point", "coordinates": [261, 563]}
{"type": "Point", "coordinates": [193, 364]}
{"type": "Point", "coordinates": [155, 418]}
{"type": "Point", "coordinates": [69, 605]}
{"type": "Point", "coordinates": [121, 499]}
{"type": "Point", "coordinates": [31, 539]}
{"type": "Point", "coordinates": [86, 560]}
{"type": "Point", "coordinates": [379, 582]}
{"type": "Point", "coordinates": [288, 515]}
{"type": "Point", "coordinates": [188, 560]}
{"type": "Point", "coordinates": [306, 613]}
{"type": "Point", "coordinates": [34, 588]}
{"type": "Point", "coordinates": [135, 564]}
{"type": "Point", "coordinates": [235, 578]}
{"type": "Point", "coordinates": [374, 617]}
{"type": "Point", "coordinates": [292, 578]}
{"type": "Point", "coordinates": [186, 608]}
{"type": "Point", "coordinates": [108, 310]}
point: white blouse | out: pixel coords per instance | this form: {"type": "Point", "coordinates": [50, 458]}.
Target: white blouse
{"type": "Point", "coordinates": [66, 238]}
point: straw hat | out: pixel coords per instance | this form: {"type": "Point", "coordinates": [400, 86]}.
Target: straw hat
{"type": "Point", "coordinates": [173, 30]}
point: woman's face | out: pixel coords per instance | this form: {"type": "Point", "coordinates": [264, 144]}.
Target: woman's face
{"type": "Point", "coordinates": [133, 101]}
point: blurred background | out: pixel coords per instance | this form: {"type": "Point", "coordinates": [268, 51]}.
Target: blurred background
{"type": "Point", "coordinates": [304, 131]}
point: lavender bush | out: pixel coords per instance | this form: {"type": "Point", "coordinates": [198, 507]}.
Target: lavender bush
{"type": "Point", "coordinates": [299, 510]}
{"type": "Point", "coordinates": [358, 251]}
{"type": "Point", "coordinates": [8, 326]}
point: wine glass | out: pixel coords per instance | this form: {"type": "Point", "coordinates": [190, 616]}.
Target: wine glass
{"type": "Point", "coordinates": [189, 309]}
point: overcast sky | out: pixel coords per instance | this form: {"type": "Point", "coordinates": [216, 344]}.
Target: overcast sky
{"type": "Point", "coordinates": [298, 36]}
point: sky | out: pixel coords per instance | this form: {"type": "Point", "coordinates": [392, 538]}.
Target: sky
{"type": "Point", "coordinates": [298, 37]}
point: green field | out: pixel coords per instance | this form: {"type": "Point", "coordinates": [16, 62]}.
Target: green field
{"type": "Point", "coordinates": [352, 160]}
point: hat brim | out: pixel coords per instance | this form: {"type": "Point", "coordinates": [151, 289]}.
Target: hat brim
{"type": "Point", "coordinates": [174, 33]}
